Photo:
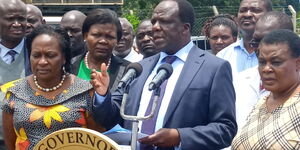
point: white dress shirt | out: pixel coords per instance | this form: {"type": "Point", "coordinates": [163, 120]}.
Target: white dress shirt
{"type": "Point", "coordinates": [4, 52]}
{"type": "Point", "coordinates": [238, 57]}
{"type": "Point", "coordinates": [133, 56]}
{"type": "Point", "coordinates": [177, 65]}
{"type": "Point", "coordinates": [248, 92]}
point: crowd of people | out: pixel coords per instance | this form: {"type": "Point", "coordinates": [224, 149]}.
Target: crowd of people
{"type": "Point", "coordinates": [241, 95]}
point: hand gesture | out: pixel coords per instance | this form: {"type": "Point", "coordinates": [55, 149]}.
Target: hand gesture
{"type": "Point", "coordinates": [162, 138]}
{"type": "Point", "coordinates": [100, 80]}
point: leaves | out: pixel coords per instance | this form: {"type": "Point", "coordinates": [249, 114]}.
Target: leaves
{"type": "Point", "coordinates": [22, 142]}
{"type": "Point", "coordinates": [48, 113]}
{"type": "Point", "coordinates": [8, 85]}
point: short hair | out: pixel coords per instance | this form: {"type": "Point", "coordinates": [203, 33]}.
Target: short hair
{"type": "Point", "coordinates": [186, 12]}
{"type": "Point", "coordinates": [125, 20]}
{"type": "Point", "coordinates": [17, 3]}
{"type": "Point", "coordinates": [144, 20]}
{"type": "Point", "coordinates": [284, 36]}
{"type": "Point", "coordinates": [102, 16]}
{"type": "Point", "coordinates": [282, 19]}
{"type": "Point", "coordinates": [55, 31]}
{"type": "Point", "coordinates": [35, 9]}
{"type": "Point", "coordinates": [267, 4]}
{"type": "Point", "coordinates": [222, 19]}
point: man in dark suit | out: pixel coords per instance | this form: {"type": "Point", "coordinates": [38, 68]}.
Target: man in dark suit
{"type": "Point", "coordinates": [72, 22]}
{"type": "Point", "coordinates": [198, 106]}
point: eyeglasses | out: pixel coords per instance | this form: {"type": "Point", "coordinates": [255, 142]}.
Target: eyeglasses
{"type": "Point", "coordinates": [254, 43]}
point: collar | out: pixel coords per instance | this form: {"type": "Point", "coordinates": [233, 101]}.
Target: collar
{"type": "Point", "coordinates": [182, 54]}
{"type": "Point", "coordinates": [240, 46]}
{"type": "Point", "coordinates": [131, 52]}
{"type": "Point", "coordinates": [18, 48]}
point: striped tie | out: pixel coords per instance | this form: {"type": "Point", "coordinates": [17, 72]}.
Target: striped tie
{"type": "Point", "coordinates": [12, 54]}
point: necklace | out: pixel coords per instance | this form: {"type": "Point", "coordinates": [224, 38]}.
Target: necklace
{"type": "Point", "coordinates": [49, 89]}
{"type": "Point", "coordinates": [87, 64]}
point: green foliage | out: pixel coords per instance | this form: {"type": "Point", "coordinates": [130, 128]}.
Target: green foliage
{"type": "Point", "coordinates": [142, 9]}
{"type": "Point", "coordinates": [137, 10]}
{"type": "Point", "coordinates": [298, 20]}
{"type": "Point", "coordinates": [133, 19]}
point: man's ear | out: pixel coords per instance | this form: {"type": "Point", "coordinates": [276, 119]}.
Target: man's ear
{"type": "Point", "coordinates": [44, 21]}
{"type": "Point", "coordinates": [234, 39]}
{"type": "Point", "coordinates": [187, 28]}
{"type": "Point", "coordinates": [84, 36]}
{"type": "Point", "coordinates": [298, 63]}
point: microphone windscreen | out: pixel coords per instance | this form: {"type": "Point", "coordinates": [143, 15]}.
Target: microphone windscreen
{"type": "Point", "coordinates": [167, 67]}
{"type": "Point", "coordinates": [137, 67]}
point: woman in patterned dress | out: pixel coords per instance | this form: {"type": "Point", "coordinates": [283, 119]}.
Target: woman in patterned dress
{"type": "Point", "coordinates": [274, 123]}
{"type": "Point", "coordinates": [50, 99]}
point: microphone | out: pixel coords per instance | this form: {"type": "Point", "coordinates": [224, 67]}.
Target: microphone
{"type": "Point", "coordinates": [163, 73]}
{"type": "Point", "coordinates": [133, 70]}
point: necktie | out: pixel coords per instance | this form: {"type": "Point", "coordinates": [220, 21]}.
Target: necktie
{"type": "Point", "coordinates": [148, 126]}
{"type": "Point", "coordinates": [12, 54]}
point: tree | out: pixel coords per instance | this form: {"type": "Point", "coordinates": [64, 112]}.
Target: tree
{"type": "Point", "coordinates": [137, 10]}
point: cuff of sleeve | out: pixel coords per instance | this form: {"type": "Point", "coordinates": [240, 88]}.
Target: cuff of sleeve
{"type": "Point", "coordinates": [179, 146]}
{"type": "Point", "coordinates": [98, 99]}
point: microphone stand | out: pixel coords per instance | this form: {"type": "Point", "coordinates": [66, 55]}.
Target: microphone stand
{"type": "Point", "coordinates": [135, 119]}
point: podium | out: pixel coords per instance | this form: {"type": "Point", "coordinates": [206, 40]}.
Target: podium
{"type": "Point", "coordinates": [77, 139]}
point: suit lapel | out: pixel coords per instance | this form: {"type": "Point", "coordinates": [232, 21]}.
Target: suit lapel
{"type": "Point", "coordinates": [114, 70]}
{"type": "Point", "coordinates": [148, 65]}
{"type": "Point", "coordinates": [189, 70]}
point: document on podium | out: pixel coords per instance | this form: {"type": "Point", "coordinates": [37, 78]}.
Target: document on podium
{"type": "Point", "coordinates": [121, 136]}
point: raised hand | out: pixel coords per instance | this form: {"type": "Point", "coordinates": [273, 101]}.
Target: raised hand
{"type": "Point", "coordinates": [100, 80]}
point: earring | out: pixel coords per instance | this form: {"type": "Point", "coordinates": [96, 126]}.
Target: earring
{"type": "Point", "coordinates": [64, 70]}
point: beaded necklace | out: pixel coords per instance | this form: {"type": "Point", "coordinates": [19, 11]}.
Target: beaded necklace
{"type": "Point", "coordinates": [49, 89]}
{"type": "Point", "coordinates": [87, 64]}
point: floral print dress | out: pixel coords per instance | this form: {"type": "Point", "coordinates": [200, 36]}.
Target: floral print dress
{"type": "Point", "coordinates": [34, 116]}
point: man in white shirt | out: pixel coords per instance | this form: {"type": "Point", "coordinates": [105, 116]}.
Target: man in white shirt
{"type": "Point", "coordinates": [248, 87]}
{"type": "Point", "coordinates": [240, 54]}
{"type": "Point", "coordinates": [124, 47]}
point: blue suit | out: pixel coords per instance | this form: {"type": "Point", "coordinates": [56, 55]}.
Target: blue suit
{"type": "Point", "coordinates": [27, 61]}
{"type": "Point", "coordinates": [202, 106]}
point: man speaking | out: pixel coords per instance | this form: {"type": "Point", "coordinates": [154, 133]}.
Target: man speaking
{"type": "Point", "coordinates": [197, 102]}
